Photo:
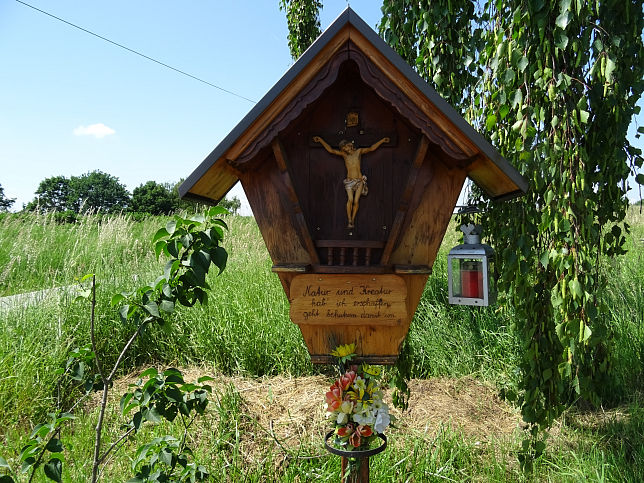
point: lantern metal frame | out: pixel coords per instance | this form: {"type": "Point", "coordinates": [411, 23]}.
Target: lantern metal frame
{"type": "Point", "coordinates": [472, 249]}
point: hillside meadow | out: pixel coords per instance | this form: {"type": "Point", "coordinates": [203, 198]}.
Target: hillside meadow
{"type": "Point", "coordinates": [265, 421]}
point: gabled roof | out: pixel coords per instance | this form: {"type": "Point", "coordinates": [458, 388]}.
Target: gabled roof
{"type": "Point", "coordinates": [216, 175]}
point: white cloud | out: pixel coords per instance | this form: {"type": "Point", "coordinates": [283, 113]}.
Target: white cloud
{"type": "Point", "coordinates": [99, 130]}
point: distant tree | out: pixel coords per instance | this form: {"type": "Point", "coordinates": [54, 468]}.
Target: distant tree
{"type": "Point", "coordinates": [5, 203]}
{"type": "Point", "coordinates": [184, 205]}
{"type": "Point", "coordinates": [98, 191]}
{"type": "Point", "coordinates": [52, 195]}
{"type": "Point", "coordinates": [153, 198]}
{"type": "Point", "coordinates": [233, 204]}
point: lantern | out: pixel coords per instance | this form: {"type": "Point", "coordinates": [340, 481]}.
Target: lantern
{"type": "Point", "coordinates": [469, 270]}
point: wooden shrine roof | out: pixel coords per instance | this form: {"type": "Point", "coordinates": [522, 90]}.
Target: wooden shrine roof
{"type": "Point", "coordinates": [217, 174]}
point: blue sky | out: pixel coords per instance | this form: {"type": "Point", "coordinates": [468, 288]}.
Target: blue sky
{"type": "Point", "coordinates": [71, 103]}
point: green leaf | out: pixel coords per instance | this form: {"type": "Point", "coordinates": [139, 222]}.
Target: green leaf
{"type": "Point", "coordinates": [124, 312]}
{"type": "Point", "coordinates": [166, 456]}
{"type": "Point", "coordinates": [54, 446]}
{"type": "Point", "coordinates": [219, 258]}
{"type": "Point", "coordinates": [639, 178]}
{"type": "Point", "coordinates": [151, 414]}
{"type": "Point", "coordinates": [523, 63]}
{"type": "Point", "coordinates": [116, 299]}
{"type": "Point", "coordinates": [152, 308]}
{"type": "Point", "coordinates": [217, 210]}
{"type": "Point", "coordinates": [54, 469]}
{"type": "Point", "coordinates": [150, 372]}
{"type": "Point", "coordinates": [561, 39]}
{"type": "Point", "coordinates": [586, 334]}
{"type": "Point", "coordinates": [161, 233]}
{"type": "Point", "coordinates": [6, 479]}
{"type": "Point", "coordinates": [610, 67]}
{"type": "Point", "coordinates": [171, 227]}
{"type": "Point", "coordinates": [562, 20]}
{"type": "Point", "coordinates": [490, 122]}
{"type": "Point", "coordinates": [167, 306]}
{"type": "Point", "coordinates": [517, 98]}
{"type": "Point", "coordinates": [545, 259]}
{"type": "Point", "coordinates": [583, 116]}
{"type": "Point", "coordinates": [199, 218]}
{"type": "Point", "coordinates": [137, 419]}
{"type": "Point", "coordinates": [575, 289]}
{"type": "Point", "coordinates": [159, 247]}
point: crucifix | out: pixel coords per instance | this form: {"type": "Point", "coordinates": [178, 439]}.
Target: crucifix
{"type": "Point", "coordinates": [355, 183]}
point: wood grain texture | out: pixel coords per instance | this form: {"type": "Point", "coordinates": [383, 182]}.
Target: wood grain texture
{"type": "Point", "coordinates": [268, 196]}
{"type": "Point", "coordinates": [430, 211]}
{"type": "Point", "coordinates": [403, 204]}
{"type": "Point", "coordinates": [376, 343]}
{"type": "Point", "coordinates": [348, 300]}
{"type": "Point", "coordinates": [295, 209]}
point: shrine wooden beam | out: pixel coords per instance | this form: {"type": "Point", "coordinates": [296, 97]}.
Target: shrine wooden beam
{"type": "Point", "coordinates": [403, 206]}
{"type": "Point", "coordinates": [302, 227]}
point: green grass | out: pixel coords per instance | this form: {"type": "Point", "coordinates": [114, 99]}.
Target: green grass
{"type": "Point", "coordinates": [245, 330]}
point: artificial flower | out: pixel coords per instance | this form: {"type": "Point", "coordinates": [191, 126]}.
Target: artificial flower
{"type": "Point", "coordinates": [346, 380]}
{"type": "Point", "coordinates": [334, 398]}
{"type": "Point", "coordinates": [382, 420]}
{"type": "Point", "coordinates": [355, 439]}
{"type": "Point", "coordinates": [355, 402]}
{"type": "Point", "coordinates": [344, 350]}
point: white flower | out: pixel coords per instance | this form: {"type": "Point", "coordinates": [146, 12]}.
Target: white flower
{"type": "Point", "coordinates": [343, 418]}
{"type": "Point", "coordinates": [346, 407]}
{"type": "Point", "coordinates": [364, 415]}
{"type": "Point", "coordinates": [382, 420]}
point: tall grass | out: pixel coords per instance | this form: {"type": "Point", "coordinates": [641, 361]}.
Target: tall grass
{"type": "Point", "coordinates": [245, 329]}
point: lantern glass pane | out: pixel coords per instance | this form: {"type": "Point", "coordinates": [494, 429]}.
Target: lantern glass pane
{"type": "Point", "coordinates": [471, 278]}
{"type": "Point", "coordinates": [456, 277]}
{"type": "Point", "coordinates": [491, 279]}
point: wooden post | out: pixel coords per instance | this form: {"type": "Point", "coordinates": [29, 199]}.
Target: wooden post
{"type": "Point", "coordinates": [361, 475]}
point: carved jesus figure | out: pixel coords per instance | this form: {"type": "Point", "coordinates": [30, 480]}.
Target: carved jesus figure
{"type": "Point", "coordinates": [355, 183]}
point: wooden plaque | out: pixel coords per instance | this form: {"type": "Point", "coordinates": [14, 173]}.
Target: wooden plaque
{"type": "Point", "coordinates": [351, 299]}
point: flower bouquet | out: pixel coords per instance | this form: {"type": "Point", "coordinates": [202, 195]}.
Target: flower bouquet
{"type": "Point", "coordinates": [355, 405]}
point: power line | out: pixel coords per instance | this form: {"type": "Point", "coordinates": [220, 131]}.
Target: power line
{"type": "Point", "coordinates": [136, 52]}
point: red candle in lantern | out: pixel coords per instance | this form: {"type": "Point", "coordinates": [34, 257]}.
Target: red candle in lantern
{"type": "Point", "coordinates": [472, 280]}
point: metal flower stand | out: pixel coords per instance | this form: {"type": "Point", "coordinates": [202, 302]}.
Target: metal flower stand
{"type": "Point", "coordinates": [355, 463]}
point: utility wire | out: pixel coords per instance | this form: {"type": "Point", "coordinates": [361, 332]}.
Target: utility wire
{"type": "Point", "coordinates": [137, 53]}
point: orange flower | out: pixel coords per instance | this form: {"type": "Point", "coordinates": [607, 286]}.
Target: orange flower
{"type": "Point", "coordinates": [346, 380]}
{"type": "Point", "coordinates": [334, 398]}
{"type": "Point", "coordinates": [364, 430]}
{"type": "Point", "coordinates": [354, 439]}
{"type": "Point", "coordinates": [345, 430]}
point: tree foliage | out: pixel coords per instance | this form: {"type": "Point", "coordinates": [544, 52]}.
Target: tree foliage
{"type": "Point", "coordinates": [52, 194]}
{"type": "Point", "coordinates": [231, 204]}
{"type": "Point", "coordinates": [98, 191]}
{"type": "Point", "coordinates": [303, 20]}
{"type": "Point", "coordinates": [153, 198]}
{"type": "Point", "coordinates": [5, 203]}
{"type": "Point", "coordinates": [554, 85]}
{"type": "Point", "coordinates": [95, 191]}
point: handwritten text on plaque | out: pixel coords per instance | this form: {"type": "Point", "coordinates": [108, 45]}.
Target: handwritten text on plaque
{"type": "Point", "coordinates": [348, 299]}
